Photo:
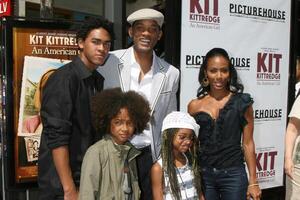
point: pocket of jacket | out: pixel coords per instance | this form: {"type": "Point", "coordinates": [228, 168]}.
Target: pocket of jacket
{"type": "Point", "coordinates": [166, 92]}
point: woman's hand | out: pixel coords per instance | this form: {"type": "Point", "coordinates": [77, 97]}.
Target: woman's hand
{"type": "Point", "coordinates": [291, 135]}
{"type": "Point", "coordinates": [253, 191]}
{"type": "Point", "coordinates": [289, 167]}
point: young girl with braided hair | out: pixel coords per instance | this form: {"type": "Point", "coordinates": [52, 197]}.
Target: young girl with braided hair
{"type": "Point", "coordinates": [176, 175]}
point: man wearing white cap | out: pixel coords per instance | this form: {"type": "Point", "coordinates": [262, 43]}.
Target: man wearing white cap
{"type": "Point", "coordinates": [138, 68]}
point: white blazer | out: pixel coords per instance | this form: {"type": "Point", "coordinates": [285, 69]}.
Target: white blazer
{"type": "Point", "coordinates": [117, 71]}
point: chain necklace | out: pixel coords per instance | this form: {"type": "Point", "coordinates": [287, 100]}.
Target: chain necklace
{"type": "Point", "coordinates": [183, 183]}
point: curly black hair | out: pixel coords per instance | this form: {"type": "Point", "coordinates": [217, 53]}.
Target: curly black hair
{"type": "Point", "coordinates": [108, 103]}
{"type": "Point", "coordinates": [92, 23]}
{"type": "Point", "coordinates": [234, 84]}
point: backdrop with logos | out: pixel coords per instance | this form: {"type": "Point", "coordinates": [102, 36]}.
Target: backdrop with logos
{"type": "Point", "coordinates": [256, 34]}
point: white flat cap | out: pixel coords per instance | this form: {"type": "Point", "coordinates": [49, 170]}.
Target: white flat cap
{"type": "Point", "coordinates": [180, 120]}
{"type": "Point", "coordinates": [146, 13]}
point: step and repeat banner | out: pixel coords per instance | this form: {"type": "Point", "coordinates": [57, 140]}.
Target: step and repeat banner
{"type": "Point", "coordinates": [256, 34]}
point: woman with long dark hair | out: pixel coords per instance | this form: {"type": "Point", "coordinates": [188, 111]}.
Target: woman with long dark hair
{"type": "Point", "coordinates": [225, 116]}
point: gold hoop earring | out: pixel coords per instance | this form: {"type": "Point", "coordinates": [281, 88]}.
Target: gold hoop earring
{"type": "Point", "coordinates": [205, 81]}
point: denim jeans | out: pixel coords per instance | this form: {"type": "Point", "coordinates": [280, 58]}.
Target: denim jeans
{"type": "Point", "coordinates": [225, 184]}
{"type": "Point", "coordinates": [144, 164]}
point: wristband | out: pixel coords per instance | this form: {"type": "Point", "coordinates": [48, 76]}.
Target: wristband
{"type": "Point", "coordinates": [254, 184]}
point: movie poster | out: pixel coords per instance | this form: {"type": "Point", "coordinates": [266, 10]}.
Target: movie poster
{"type": "Point", "coordinates": [37, 53]}
{"type": "Point", "coordinates": [36, 71]}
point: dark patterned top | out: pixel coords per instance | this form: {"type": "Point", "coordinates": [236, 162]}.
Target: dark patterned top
{"type": "Point", "coordinates": [220, 139]}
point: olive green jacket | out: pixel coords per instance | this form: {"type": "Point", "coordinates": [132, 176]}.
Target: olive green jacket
{"type": "Point", "coordinates": [102, 171]}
